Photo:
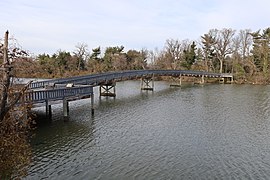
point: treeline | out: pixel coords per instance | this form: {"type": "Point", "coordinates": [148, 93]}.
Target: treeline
{"type": "Point", "coordinates": [82, 61]}
{"type": "Point", "coordinates": [244, 53]}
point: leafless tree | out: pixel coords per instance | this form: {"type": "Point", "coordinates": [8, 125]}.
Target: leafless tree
{"type": "Point", "coordinates": [14, 147]}
{"type": "Point", "coordinates": [82, 53]}
{"type": "Point", "coordinates": [119, 62]}
{"type": "Point", "coordinates": [174, 50]}
{"type": "Point", "coordinates": [6, 68]}
{"type": "Point", "coordinates": [223, 46]}
{"type": "Point", "coordinates": [245, 42]}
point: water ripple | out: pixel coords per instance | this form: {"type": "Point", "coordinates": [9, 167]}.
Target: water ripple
{"type": "Point", "coordinates": [195, 132]}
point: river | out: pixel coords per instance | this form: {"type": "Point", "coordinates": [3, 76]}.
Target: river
{"type": "Point", "coordinates": [211, 131]}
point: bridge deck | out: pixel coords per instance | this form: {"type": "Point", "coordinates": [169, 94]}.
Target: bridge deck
{"type": "Point", "coordinates": [98, 79]}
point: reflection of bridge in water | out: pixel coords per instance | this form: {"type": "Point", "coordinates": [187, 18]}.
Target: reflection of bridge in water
{"type": "Point", "coordinates": [46, 93]}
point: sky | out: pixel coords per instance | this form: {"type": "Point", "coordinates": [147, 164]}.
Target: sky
{"type": "Point", "coordinates": [46, 26]}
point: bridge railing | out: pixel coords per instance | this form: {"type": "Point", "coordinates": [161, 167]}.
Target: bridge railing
{"type": "Point", "coordinates": [92, 79]}
{"type": "Point", "coordinates": [56, 94]}
{"type": "Point", "coordinates": [96, 79]}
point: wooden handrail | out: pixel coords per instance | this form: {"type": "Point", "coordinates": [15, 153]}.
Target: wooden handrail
{"type": "Point", "coordinates": [56, 94]}
{"type": "Point", "coordinates": [97, 79]}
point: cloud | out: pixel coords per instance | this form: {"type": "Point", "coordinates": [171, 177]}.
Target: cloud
{"type": "Point", "coordinates": [49, 25]}
{"type": "Point", "coordinates": [239, 15]}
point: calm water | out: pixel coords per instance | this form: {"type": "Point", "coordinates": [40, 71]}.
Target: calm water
{"type": "Point", "coordinates": [193, 132]}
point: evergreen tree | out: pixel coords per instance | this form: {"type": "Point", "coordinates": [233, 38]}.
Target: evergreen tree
{"type": "Point", "coordinates": [95, 54]}
{"type": "Point", "coordinates": [261, 50]}
{"type": "Point", "coordinates": [110, 56]}
{"type": "Point", "coordinates": [190, 55]}
{"type": "Point", "coordinates": [208, 42]}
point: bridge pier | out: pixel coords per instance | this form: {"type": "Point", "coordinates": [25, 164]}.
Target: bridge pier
{"type": "Point", "coordinates": [202, 80]}
{"type": "Point", "coordinates": [226, 80]}
{"type": "Point", "coordinates": [92, 104]}
{"type": "Point", "coordinates": [177, 81]}
{"type": "Point", "coordinates": [48, 110]}
{"type": "Point", "coordinates": [147, 83]}
{"type": "Point", "coordinates": [65, 109]}
{"type": "Point", "coordinates": [107, 89]}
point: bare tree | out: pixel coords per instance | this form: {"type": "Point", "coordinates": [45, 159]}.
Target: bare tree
{"type": "Point", "coordinates": [223, 46]}
{"type": "Point", "coordinates": [174, 50]}
{"type": "Point", "coordinates": [15, 152]}
{"type": "Point", "coordinates": [82, 53]}
{"type": "Point", "coordinates": [245, 42]}
{"type": "Point", "coordinates": [6, 68]}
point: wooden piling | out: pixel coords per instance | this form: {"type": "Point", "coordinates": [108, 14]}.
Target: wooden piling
{"type": "Point", "coordinates": [202, 80]}
{"type": "Point", "coordinates": [65, 109]}
{"type": "Point", "coordinates": [177, 82]}
{"type": "Point", "coordinates": [48, 110]}
{"type": "Point", "coordinates": [92, 104]}
{"type": "Point", "coordinates": [145, 84]}
{"type": "Point", "coordinates": [107, 90]}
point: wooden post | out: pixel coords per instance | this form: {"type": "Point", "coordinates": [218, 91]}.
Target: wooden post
{"type": "Point", "coordinates": [107, 89]}
{"type": "Point", "coordinates": [202, 81]}
{"type": "Point", "coordinates": [48, 110]}
{"type": "Point", "coordinates": [5, 80]}
{"type": "Point", "coordinates": [176, 82]}
{"type": "Point", "coordinates": [65, 109]}
{"type": "Point", "coordinates": [145, 85]}
{"type": "Point", "coordinates": [100, 90]}
{"type": "Point", "coordinates": [92, 104]}
{"type": "Point", "coordinates": [221, 80]}
{"type": "Point", "coordinates": [153, 82]}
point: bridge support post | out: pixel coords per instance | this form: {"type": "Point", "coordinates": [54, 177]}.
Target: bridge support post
{"type": "Point", "coordinates": [147, 83]}
{"type": "Point", "coordinates": [177, 81]}
{"type": "Point", "coordinates": [222, 80]}
{"type": "Point", "coordinates": [107, 90]}
{"type": "Point", "coordinates": [48, 110]}
{"type": "Point", "coordinates": [228, 80]}
{"type": "Point", "coordinates": [65, 109]}
{"type": "Point", "coordinates": [92, 104]}
{"type": "Point", "coordinates": [202, 80]}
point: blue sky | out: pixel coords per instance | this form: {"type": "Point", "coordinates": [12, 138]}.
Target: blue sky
{"type": "Point", "coordinates": [45, 26]}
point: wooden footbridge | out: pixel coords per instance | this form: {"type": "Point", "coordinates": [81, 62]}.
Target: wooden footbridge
{"type": "Point", "coordinates": [63, 90]}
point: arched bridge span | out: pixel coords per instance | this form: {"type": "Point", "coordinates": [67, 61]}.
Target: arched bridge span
{"type": "Point", "coordinates": [103, 78]}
